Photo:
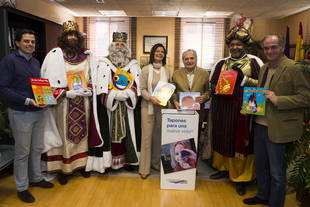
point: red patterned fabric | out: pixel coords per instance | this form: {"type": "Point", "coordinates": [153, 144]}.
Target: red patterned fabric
{"type": "Point", "coordinates": [230, 131]}
{"type": "Point", "coordinates": [93, 136]}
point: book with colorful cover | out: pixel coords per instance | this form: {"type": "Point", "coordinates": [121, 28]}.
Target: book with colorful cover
{"type": "Point", "coordinates": [226, 82]}
{"type": "Point", "coordinates": [59, 94]}
{"type": "Point", "coordinates": [163, 92]}
{"type": "Point", "coordinates": [42, 91]}
{"type": "Point", "coordinates": [187, 100]}
{"type": "Point", "coordinates": [254, 101]}
{"type": "Point", "coordinates": [76, 80]}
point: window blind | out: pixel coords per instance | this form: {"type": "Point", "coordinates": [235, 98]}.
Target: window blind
{"type": "Point", "coordinates": [206, 36]}
{"type": "Point", "coordinates": [100, 32]}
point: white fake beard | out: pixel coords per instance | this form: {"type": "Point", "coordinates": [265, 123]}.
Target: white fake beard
{"type": "Point", "coordinates": [119, 58]}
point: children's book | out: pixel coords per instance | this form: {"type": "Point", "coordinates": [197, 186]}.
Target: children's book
{"type": "Point", "coordinates": [59, 94]}
{"type": "Point", "coordinates": [187, 100]}
{"type": "Point", "coordinates": [163, 92]}
{"type": "Point", "coordinates": [226, 82]}
{"type": "Point", "coordinates": [254, 101]}
{"type": "Point", "coordinates": [76, 80]}
{"type": "Point", "coordinates": [42, 91]}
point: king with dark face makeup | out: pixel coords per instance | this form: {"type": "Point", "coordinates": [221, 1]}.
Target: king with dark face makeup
{"type": "Point", "coordinates": [232, 145]}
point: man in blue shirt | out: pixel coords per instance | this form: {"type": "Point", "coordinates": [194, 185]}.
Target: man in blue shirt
{"type": "Point", "coordinates": [24, 114]}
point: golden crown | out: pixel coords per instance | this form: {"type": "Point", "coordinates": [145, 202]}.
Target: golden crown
{"type": "Point", "coordinates": [119, 37]}
{"type": "Point", "coordinates": [70, 26]}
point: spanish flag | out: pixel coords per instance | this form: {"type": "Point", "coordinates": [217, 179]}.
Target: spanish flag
{"type": "Point", "coordinates": [299, 53]}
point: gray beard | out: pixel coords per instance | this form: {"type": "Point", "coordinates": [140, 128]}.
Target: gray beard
{"type": "Point", "coordinates": [119, 59]}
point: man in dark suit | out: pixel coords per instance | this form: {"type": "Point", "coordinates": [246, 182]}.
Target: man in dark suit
{"type": "Point", "coordinates": [288, 93]}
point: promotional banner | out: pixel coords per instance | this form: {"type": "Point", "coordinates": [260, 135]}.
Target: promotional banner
{"type": "Point", "coordinates": [179, 149]}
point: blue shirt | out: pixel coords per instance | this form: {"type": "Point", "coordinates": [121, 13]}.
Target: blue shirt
{"type": "Point", "coordinates": [15, 87]}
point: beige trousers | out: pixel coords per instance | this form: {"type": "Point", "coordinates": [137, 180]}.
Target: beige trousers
{"type": "Point", "coordinates": [151, 140]}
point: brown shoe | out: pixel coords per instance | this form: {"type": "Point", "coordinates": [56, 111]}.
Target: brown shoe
{"type": "Point", "coordinates": [25, 196]}
{"type": "Point", "coordinates": [143, 176]}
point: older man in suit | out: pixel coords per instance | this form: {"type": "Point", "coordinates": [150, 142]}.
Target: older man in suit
{"type": "Point", "coordinates": [288, 93]}
{"type": "Point", "coordinates": [191, 79]}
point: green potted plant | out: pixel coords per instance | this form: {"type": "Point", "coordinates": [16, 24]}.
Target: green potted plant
{"type": "Point", "coordinates": [298, 152]}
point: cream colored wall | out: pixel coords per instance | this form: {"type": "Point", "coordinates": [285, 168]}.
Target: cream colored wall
{"type": "Point", "coordinates": [156, 26]}
{"type": "Point", "coordinates": [293, 23]}
{"type": "Point", "coordinates": [265, 26]}
{"type": "Point", "coordinates": [44, 9]}
{"type": "Point", "coordinates": [79, 21]}
{"type": "Point", "coordinates": [262, 27]}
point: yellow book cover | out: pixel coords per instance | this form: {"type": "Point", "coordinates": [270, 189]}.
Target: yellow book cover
{"type": "Point", "coordinates": [76, 80]}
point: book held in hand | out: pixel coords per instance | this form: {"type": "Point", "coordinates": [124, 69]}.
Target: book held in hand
{"type": "Point", "coordinates": [76, 80]}
{"type": "Point", "coordinates": [163, 92]}
{"type": "Point", "coordinates": [226, 83]}
{"type": "Point", "coordinates": [42, 91]}
{"type": "Point", "coordinates": [254, 101]}
{"type": "Point", "coordinates": [187, 100]}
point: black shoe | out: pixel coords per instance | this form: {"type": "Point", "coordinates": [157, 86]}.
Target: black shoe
{"type": "Point", "coordinates": [85, 174]}
{"type": "Point", "coordinates": [42, 184]}
{"type": "Point", "coordinates": [255, 201]}
{"type": "Point", "coordinates": [130, 168]}
{"type": "Point", "coordinates": [25, 196]}
{"type": "Point", "coordinates": [240, 188]}
{"type": "Point", "coordinates": [62, 179]}
{"type": "Point", "coordinates": [219, 175]}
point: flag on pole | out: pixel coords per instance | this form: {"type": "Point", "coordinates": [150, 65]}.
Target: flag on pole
{"type": "Point", "coordinates": [287, 43]}
{"type": "Point", "coordinates": [299, 53]}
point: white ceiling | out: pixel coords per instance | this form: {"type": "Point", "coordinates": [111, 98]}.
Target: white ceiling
{"type": "Point", "coordinates": [195, 8]}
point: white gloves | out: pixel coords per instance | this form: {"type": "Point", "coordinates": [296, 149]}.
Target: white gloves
{"type": "Point", "coordinates": [121, 96]}
{"type": "Point", "coordinates": [80, 92]}
{"type": "Point", "coordinates": [87, 52]}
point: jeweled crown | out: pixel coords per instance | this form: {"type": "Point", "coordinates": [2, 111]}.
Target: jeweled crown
{"type": "Point", "coordinates": [70, 26]}
{"type": "Point", "coordinates": [119, 37]}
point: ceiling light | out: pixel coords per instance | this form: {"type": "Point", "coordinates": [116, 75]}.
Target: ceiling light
{"type": "Point", "coordinates": [100, 1]}
{"type": "Point", "coordinates": [57, 0]}
{"type": "Point", "coordinates": [217, 14]}
{"type": "Point", "coordinates": [113, 13]}
{"type": "Point", "coordinates": [165, 13]}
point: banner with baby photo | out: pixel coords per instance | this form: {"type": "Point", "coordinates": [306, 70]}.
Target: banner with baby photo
{"type": "Point", "coordinates": [179, 149]}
